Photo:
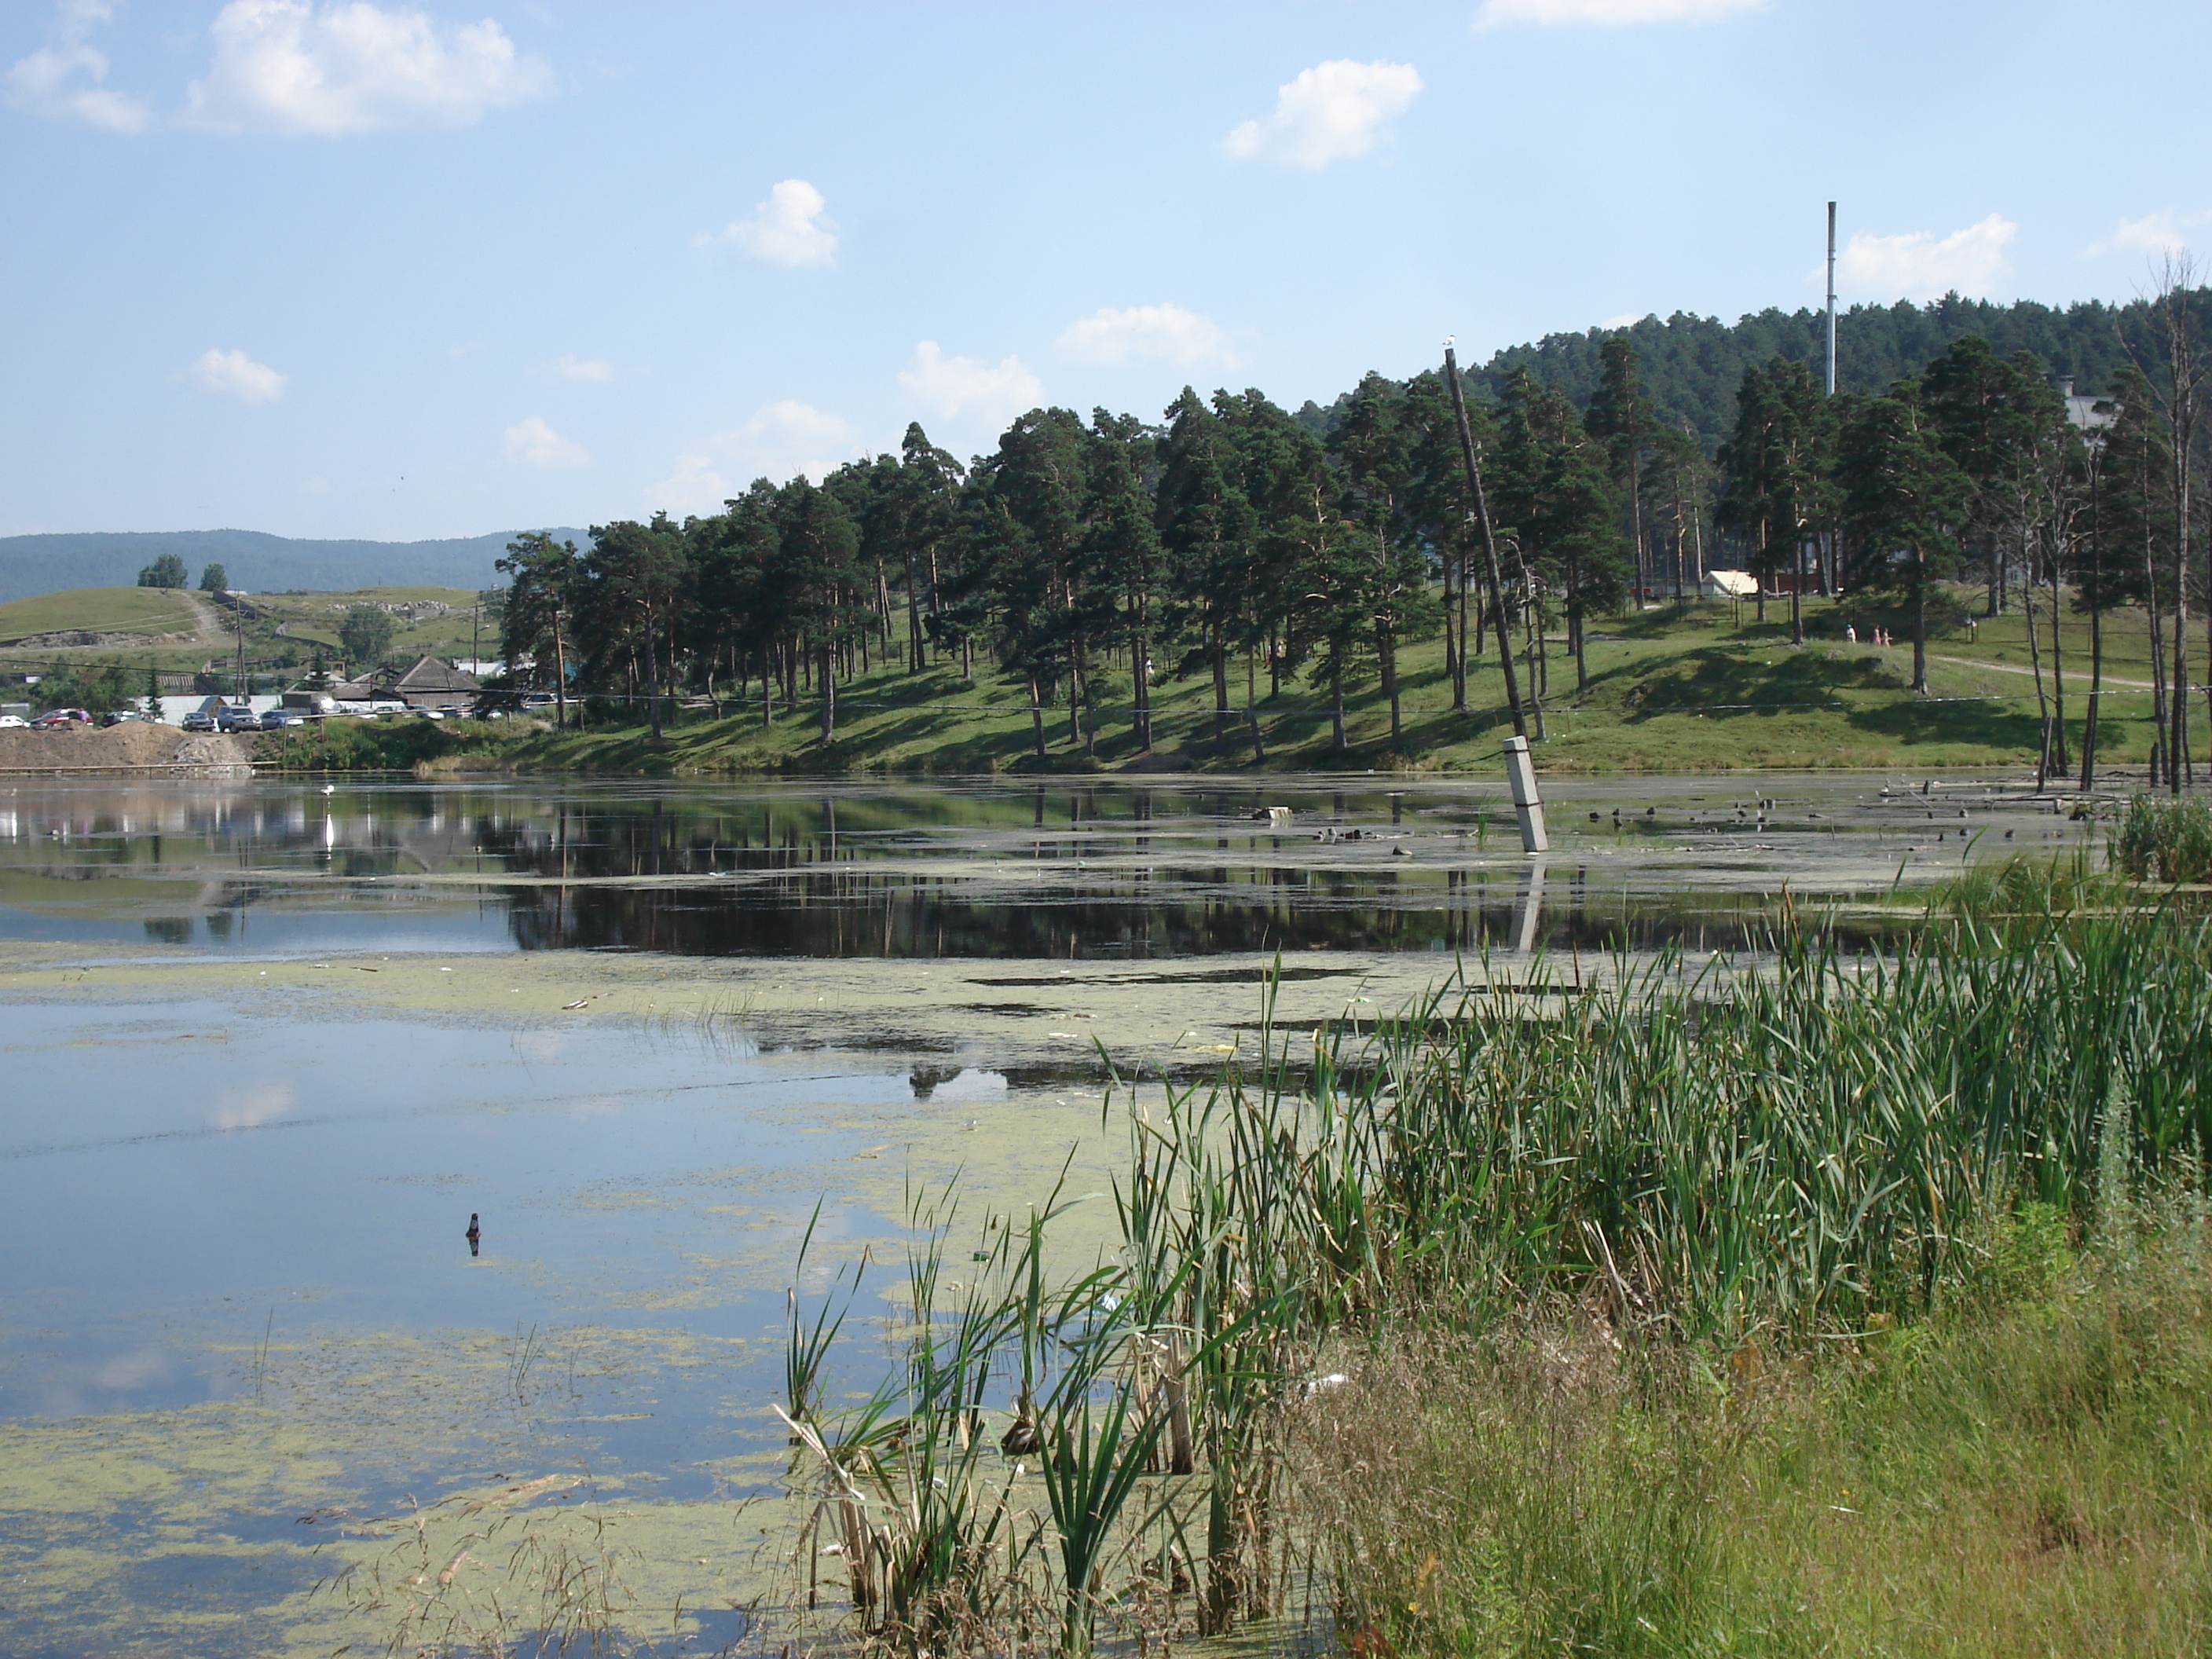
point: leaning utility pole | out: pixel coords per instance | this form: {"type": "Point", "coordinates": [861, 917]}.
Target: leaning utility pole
{"type": "Point", "coordinates": [1520, 770]}
{"type": "Point", "coordinates": [1489, 540]}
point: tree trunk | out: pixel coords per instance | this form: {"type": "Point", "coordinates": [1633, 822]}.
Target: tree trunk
{"type": "Point", "coordinates": [1220, 688]}
{"type": "Point", "coordinates": [828, 697]}
{"type": "Point", "coordinates": [1635, 532]}
{"type": "Point", "coordinates": [2057, 669]}
{"type": "Point", "coordinates": [1451, 638]}
{"type": "Point", "coordinates": [2157, 749]}
{"type": "Point", "coordinates": [1766, 557]}
{"type": "Point", "coordinates": [653, 675]}
{"type": "Point", "coordinates": [2096, 636]}
{"type": "Point", "coordinates": [1386, 651]}
{"type": "Point", "coordinates": [1575, 626]}
{"type": "Point", "coordinates": [1140, 662]}
{"type": "Point", "coordinates": [1797, 593]}
{"type": "Point", "coordinates": [2042, 707]}
{"type": "Point", "coordinates": [560, 678]}
{"type": "Point", "coordinates": [1336, 714]}
{"type": "Point", "coordinates": [913, 617]}
{"type": "Point", "coordinates": [1920, 625]}
{"type": "Point", "coordinates": [1037, 714]}
{"type": "Point", "coordinates": [2096, 692]}
{"type": "Point", "coordinates": [2177, 755]}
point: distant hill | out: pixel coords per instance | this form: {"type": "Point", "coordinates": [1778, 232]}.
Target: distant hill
{"type": "Point", "coordinates": [260, 564]}
{"type": "Point", "coordinates": [1691, 366]}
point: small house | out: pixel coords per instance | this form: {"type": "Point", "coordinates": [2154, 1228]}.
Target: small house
{"type": "Point", "coordinates": [426, 683]}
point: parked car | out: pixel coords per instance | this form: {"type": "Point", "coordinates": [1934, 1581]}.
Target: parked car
{"type": "Point", "coordinates": [54, 719]}
{"type": "Point", "coordinates": [13, 723]}
{"type": "Point", "coordinates": [117, 716]}
{"type": "Point", "coordinates": [237, 718]}
{"type": "Point", "coordinates": [278, 719]}
{"type": "Point", "coordinates": [198, 720]}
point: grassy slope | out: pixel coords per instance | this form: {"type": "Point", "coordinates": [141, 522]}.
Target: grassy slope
{"type": "Point", "coordinates": [1669, 691]}
{"type": "Point", "coordinates": [309, 620]}
{"type": "Point", "coordinates": [102, 610]}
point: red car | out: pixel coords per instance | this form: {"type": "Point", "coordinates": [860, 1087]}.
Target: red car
{"type": "Point", "coordinates": [54, 719]}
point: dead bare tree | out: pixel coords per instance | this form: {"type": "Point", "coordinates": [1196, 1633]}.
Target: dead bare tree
{"type": "Point", "coordinates": [2178, 378]}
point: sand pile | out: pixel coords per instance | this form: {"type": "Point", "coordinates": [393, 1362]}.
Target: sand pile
{"type": "Point", "coordinates": [135, 742]}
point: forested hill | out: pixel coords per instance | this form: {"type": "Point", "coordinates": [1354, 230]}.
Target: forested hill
{"type": "Point", "coordinates": [1691, 366]}
{"type": "Point", "coordinates": [251, 559]}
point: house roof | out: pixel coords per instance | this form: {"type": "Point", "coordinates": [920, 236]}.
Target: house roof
{"type": "Point", "coordinates": [425, 678]}
{"type": "Point", "coordinates": [428, 674]}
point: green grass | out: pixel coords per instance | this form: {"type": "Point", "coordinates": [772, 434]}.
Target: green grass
{"type": "Point", "coordinates": [309, 622]}
{"type": "Point", "coordinates": [2033, 1476]}
{"type": "Point", "coordinates": [1702, 688]}
{"type": "Point", "coordinates": [98, 609]}
{"type": "Point", "coordinates": [2165, 840]}
{"type": "Point", "coordinates": [1669, 691]}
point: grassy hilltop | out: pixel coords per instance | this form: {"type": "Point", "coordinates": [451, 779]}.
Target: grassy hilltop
{"type": "Point", "coordinates": [177, 631]}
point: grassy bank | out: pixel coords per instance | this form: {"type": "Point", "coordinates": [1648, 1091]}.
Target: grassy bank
{"type": "Point", "coordinates": [1698, 688]}
{"type": "Point", "coordinates": [2025, 1473]}
{"type": "Point", "coordinates": [1853, 1305]}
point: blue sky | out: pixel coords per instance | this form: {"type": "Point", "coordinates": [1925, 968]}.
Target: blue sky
{"type": "Point", "coordinates": [400, 270]}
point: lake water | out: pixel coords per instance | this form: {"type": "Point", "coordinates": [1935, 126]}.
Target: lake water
{"type": "Point", "coordinates": [269, 1047]}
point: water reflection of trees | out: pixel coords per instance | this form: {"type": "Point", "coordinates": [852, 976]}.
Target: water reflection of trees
{"type": "Point", "coordinates": [825, 913]}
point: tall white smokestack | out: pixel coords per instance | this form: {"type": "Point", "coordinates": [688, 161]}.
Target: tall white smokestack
{"type": "Point", "coordinates": [1832, 299]}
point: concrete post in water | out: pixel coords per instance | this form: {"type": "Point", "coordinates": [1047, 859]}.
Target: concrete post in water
{"type": "Point", "coordinates": [1527, 805]}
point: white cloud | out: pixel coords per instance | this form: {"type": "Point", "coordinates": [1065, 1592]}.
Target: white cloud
{"type": "Point", "coordinates": [569, 367]}
{"type": "Point", "coordinates": [1609, 14]}
{"type": "Point", "coordinates": [234, 375]}
{"type": "Point", "coordinates": [533, 443]}
{"type": "Point", "coordinates": [291, 66]}
{"type": "Point", "coordinates": [950, 387]}
{"type": "Point", "coordinates": [787, 229]}
{"type": "Point", "coordinates": [1625, 319]}
{"type": "Point", "coordinates": [1165, 333]}
{"type": "Point", "coordinates": [1332, 110]}
{"type": "Point", "coordinates": [62, 78]}
{"type": "Point", "coordinates": [1919, 265]}
{"type": "Point", "coordinates": [780, 441]}
{"type": "Point", "coordinates": [2154, 232]}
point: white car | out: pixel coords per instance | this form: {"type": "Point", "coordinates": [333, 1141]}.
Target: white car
{"type": "Point", "coordinates": [13, 723]}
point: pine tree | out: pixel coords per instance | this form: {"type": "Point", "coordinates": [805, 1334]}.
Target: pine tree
{"type": "Point", "coordinates": [1619, 418]}
{"type": "Point", "coordinates": [1206, 525]}
{"type": "Point", "coordinates": [542, 575]}
{"type": "Point", "coordinates": [1907, 501]}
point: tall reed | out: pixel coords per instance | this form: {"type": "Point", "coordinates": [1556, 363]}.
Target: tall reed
{"type": "Point", "coordinates": [1712, 1157]}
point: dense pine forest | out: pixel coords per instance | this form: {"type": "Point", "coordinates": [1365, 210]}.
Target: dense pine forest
{"type": "Point", "coordinates": [1232, 542]}
{"type": "Point", "coordinates": [1691, 365]}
